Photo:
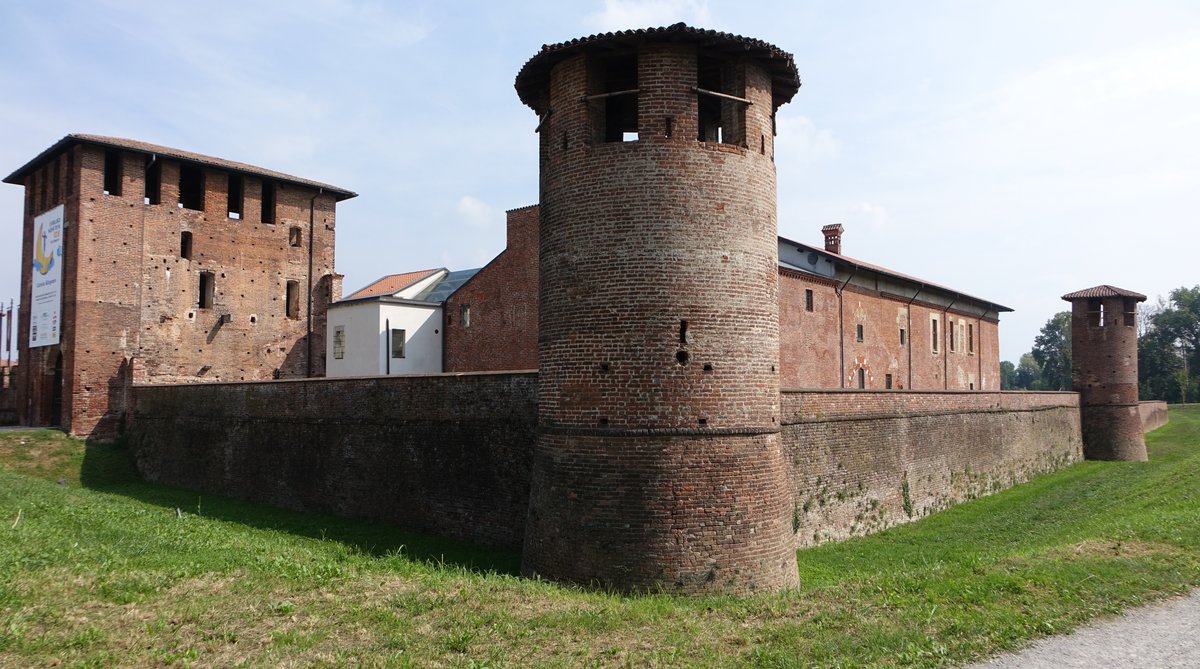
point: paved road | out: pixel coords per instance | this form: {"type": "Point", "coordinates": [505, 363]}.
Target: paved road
{"type": "Point", "coordinates": [1161, 636]}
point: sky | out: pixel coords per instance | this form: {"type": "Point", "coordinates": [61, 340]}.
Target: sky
{"type": "Point", "coordinates": [1015, 151]}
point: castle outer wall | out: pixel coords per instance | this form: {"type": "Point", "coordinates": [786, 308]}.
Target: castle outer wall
{"type": "Point", "coordinates": [451, 454]}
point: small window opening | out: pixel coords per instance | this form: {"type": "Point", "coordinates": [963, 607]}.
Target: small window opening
{"type": "Point", "coordinates": [858, 332]}
{"type": "Point", "coordinates": [464, 315]}
{"type": "Point", "coordinates": [808, 299]}
{"type": "Point", "coordinates": [683, 327]}
{"type": "Point", "coordinates": [903, 336]}
{"type": "Point", "coordinates": [397, 343]}
{"type": "Point", "coordinates": [339, 342]}
{"type": "Point", "coordinates": [292, 299]}
{"type": "Point", "coordinates": [887, 381]}
{"type": "Point", "coordinates": [1095, 312]}
{"type": "Point", "coordinates": [971, 385]}
{"type": "Point", "coordinates": [268, 202]}
{"type": "Point", "coordinates": [682, 357]}
{"type": "Point", "coordinates": [862, 378]}
{"type": "Point", "coordinates": [670, 125]}
{"type": "Point", "coordinates": [70, 172]}
{"type": "Point", "coordinates": [950, 334]}
{"type": "Point", "coordinates": [237, 192]}
{"type": "Point", "coordinates": [1130, 312]}
{"type": "Point", "coordinates": [207, 290]}
{"type": "Point", "coordinates": [191, 187]}
{"type": "Point", "coordinates": [112, 172]}
{"type": "Point", "coordinates": [55, 178]}
{"type": "Point", "coordinates": [617, 98]}
{"type": "Point", "coordinates": [970, 337]}
{"type": "Point", "coordinates": [153, 189]}
{"type": "Point", "coordinates": [933, 328]}
{"type": "Point", "coordinates": [295, 237]}
{"type": "Point", "coordinates": [722, 112]}
{"type": "Point", "coordinates": [185, 245]}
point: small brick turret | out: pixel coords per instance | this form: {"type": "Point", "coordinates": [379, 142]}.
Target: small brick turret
{"type": "Point", "coordinates": [833, 238]}
{"type": "Point", "coordinates": [1104, 371]}
{"type": "Point", "coordinates": [659, 464]}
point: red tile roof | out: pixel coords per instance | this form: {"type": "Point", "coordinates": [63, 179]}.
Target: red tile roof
{"type": "Point", "coordinates": [391, 284]}
{"type": "Point", "coordinates": [535, 75]}
{"type": "Point", "coordinates": [1103, 290]}
{"type": "Point", "coordinates": [168, 152]}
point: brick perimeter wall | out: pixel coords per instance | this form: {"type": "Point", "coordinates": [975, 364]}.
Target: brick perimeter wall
{"type": "Point", "coordinates": [452, 454]}
{"type": "Point", "coordinates": [444, 454]}
{"type": "Point", "coordinates": [1153, 413]}
{"type": "Point", "coordinates": [866, 460]}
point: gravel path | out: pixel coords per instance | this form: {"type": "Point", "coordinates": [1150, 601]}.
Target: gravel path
{"type": "Point", "coordinates": [1161, 636]}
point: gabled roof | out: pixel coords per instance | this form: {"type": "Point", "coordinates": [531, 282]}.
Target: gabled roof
{"type": "Point", "coordinates": [859, 264]}
{"type": "Point", "coordinates": [392, 283]}
{"type": "Point", "coordinates": [1103, 290]}
{"type": "Point", "coordinates": [534, 77]}
{"type": "Point", "coordinates": [147, 148]}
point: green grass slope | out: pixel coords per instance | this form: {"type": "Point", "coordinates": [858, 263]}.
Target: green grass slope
{"type": "Point", "coordinates": [100, 569]}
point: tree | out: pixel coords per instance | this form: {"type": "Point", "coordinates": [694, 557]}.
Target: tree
{"type": "Point", "coordinates": [1008, 375]}
{"type": "Point", "coordinates": [1029, 374]}
{"type": "Point", "coordinates": [1052, 350]}
{"type": "Point", "coordinates": [1169, 350]}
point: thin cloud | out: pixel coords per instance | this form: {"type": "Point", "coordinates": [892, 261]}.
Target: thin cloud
{"type": "Point", "coordinates": [625, 14]}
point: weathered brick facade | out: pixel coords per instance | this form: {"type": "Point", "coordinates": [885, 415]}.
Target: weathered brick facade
{"type": "Point", "coordinates": [658, 462]}
{"type": "Point", "coordinates": [500, 304]}
{"type": "Point", "coordinates": [452, 454]}
{"type": "Point", "coordinates": [134, 305]}
{"type": "Point", "coordinates": [1104, 371]}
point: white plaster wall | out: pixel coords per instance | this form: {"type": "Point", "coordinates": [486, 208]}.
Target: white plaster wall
{"type": "Point", "coordinates": [366, 351]}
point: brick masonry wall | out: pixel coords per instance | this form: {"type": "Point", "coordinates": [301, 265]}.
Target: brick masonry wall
{"type": "Point", "coordinates": [862, 461]}
{"type": "Point", "coordinates": [503, 299]}
{"type": "Point", "coordinates": [1153, 414]}
{"type": "Point", "coordinates": [444, 454]}
{"type": "Point", "coordinates": [452, 454]}
{"type": "Point", "coordinates": [130, 300]}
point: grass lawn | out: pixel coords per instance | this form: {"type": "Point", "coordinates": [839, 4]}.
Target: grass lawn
{"type": "Point", "coordinates": [100, 569]}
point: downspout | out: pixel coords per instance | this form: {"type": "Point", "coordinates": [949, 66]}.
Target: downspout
{"type": "Point", "coordinates": [909, 344]}
{"type": "Point", "coordinates": [842, 329]}
{"type": "Point", "coordinates": [312, 215]}
{"type": "Point", "coordinates": [946, 349]}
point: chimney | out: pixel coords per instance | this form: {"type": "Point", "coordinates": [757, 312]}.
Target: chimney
{"type": "Point", "coordinates": [833, 238]}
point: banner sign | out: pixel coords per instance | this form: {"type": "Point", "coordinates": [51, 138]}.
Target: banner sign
{"type": "Point", "coordinates": [46, 295]}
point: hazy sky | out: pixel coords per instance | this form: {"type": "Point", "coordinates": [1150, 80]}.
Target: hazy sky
{"type": "Point", "coordinates": [1014, 150]}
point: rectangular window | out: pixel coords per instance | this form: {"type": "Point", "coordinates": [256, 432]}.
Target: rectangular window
{"type": "Point", "coordinates": [54, 181]}
{"type": "Point", "coordinates": [1129, 308]}
{"type": "Point", "coordinates": [962, 334]}
{"type": "Point", "coordinates": [862, 378]}
{"type": "Point", "coordinates": [268, 201]}
{"type": "Point", "coordinates": [339, 342]}
{"type": "Point", "coordinates": [933, 330]}
{"type": "Point", "coordinates": [397, 343]}
{"type": "Point", "coordinates": [295, 237]}
{"type": "Point", "coordinates": [292, 299]}
{"type": "Point", "coordinates": [903, 337]}
{"type": "Point", "coordinates": [153, 194]}
{"type": "Point", "coordinates": [112, 172]}
{"type": "Point", "coordinates": [185, 245]}
{"type": "Point", "coordinates": [464, 315]}
{"type": "Point", "coordinates": [971, 338]}
{"type": "Point", "coordinates": [236, 195]}
{"type": "Point", "coordinates": [858, 332]}
{"type": "Point", "coordinates": [614, 105]}
{"type": "Point", "coordinates": [191, 187]}
{"type": "Point", "coordinates": [950, 334]}
{"type": "Point", "coordinates": [887, 381]}
{"type": "Point", "coordinates": [721, 107]}
{"type": "Point", "coordinates": [808, 300]}
{"type": "Point", "coordinates": [70, 172]}
{"type": "Point", "coordinates": [207, 290]}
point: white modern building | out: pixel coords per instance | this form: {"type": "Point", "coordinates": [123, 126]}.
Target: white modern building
{"type": "Point", "coordinates": [392, 326]}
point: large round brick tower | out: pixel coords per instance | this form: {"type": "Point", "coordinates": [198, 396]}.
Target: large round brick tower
{"type": "Point", "coordinates": [659, 464]}
{"type": "Point", "coordinates": [1104, 371]}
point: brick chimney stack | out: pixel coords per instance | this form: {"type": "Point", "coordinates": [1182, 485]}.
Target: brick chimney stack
{"type": "Point", "coordinates": [833, 238]}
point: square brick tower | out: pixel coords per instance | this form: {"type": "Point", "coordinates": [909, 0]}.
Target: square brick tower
{"type": "Point", "coordinates": [143, 263]}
